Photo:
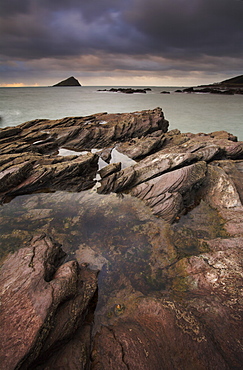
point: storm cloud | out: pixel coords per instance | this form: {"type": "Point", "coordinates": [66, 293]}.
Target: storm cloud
{"type": "Point", "coordinates": [119, 37]}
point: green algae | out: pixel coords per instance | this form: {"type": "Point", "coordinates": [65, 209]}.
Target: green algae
{"type": "Point", "coordinates": [191, 233]}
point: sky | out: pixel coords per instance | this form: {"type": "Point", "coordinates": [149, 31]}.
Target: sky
{"type": "Point", "coordinates": [120, 42]}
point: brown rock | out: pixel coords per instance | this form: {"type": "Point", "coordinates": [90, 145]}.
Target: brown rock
{"type": "Point", "coordinates": [139, 148]}
{"type": "Point", "coordinates": [49, 173]}
{"type": "Point", "coordinates": [170, 292]}
{"type": "Point", "coordinates": [109, 169]}
{"type": "Point", "coordinates": [164, 194]}
{"type": "Point", "coordinates": [158, 334]}
{"type": "Point", "coordinates": [34, 297]}
{"type": "Point", "coordinates": [148, 168]}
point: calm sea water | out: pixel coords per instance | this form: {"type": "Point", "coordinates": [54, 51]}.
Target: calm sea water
{"type": "Point", "coordinates": [187, 112]}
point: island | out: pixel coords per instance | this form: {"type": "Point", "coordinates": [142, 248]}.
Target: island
{"type": "Point", "coordinates": [71, 81]}
{"type": "Point", "coordinates": [125, 253]}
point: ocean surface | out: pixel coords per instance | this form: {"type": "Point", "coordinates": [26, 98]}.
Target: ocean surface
{"type": "Point", "coordinates": [187, 112]}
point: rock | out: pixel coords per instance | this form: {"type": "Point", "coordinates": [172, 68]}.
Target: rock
{"type": "Point", "coordinates": [139, 148]}
{"type": "Point", "coordinates": [168, 244]}
{"type": "Point", "coordinates": [159, 334]}
{"type": "Point", "coordinates": [188, 90]}
{"type": "Point", "coordinates": [127, 90]}
{"type": "Point", "coordinates": [43, 302]}
{"type": "Point", "coordinates": [223, 135]}
{"type": "Point", "coordinates": [71, 81]}
{"type": "Point", "coordinates": [109, 169]}
{"type": "Point", "coordinates": [148, 168]}
{"type": "Point", "coordinates": [29, 160]}
{"type": "Point", "coordinates": [37, 173]}
{"type": "Point", "coordinates": [165, 193]}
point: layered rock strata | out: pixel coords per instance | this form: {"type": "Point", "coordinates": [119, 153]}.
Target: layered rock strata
{"type": "Point", "coordinates": [183, 308]}
{"type": "Point", "coordinates": [29, 159]}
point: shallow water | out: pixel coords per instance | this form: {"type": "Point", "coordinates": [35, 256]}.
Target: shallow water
{"type": "Point", "coordinates": [135, 252]}
{"type": "Point", "coordinates": [109, 233]}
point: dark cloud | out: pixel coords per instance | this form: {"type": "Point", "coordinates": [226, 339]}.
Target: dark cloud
{"type": "Point", "coordinates": [212, 27]}
{"type": "Point", "coordinates": [133, 35]}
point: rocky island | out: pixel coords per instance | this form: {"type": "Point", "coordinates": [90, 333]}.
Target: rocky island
{"type": "Point", "coordinates": [149, 274]}
{"type": "Point", "coordinates": [71, 81]}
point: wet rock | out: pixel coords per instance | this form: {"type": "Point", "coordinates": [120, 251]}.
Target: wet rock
{"type": "Point", "coordinates": [42, 303]}
{"type": "Point", "coordinates": [159, 334]}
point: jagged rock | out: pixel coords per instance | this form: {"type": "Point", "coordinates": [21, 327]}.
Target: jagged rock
{"type": "Point", "coordinates": [38, 141]}
{"type": "Point", "coordinates": [42, 302]}
{"type": "Point", "coordinates": [139, 148]}
{"type": "Point", "coordinates": [109, 169]}
{"type": "Point", "coordinates": [37, 173]}
{"type": "Point", "coordinates": [148, 168]}
{"type": "Point", "coordinates": [164, 194]}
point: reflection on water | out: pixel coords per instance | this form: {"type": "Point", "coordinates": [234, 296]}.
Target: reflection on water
{"type": "Point", "coordinates": [116, 235]}
{"type": "Point", "coordinates": [136, 253]}
{"type": "Point", "coordinates": [119, 157]}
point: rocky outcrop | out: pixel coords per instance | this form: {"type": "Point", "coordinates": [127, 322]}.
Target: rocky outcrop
{"type": "Point", "coordinates": [163, 224]}
{"type": "Point", "coordinates": [169, 193]}
{"type": "Point", "coordinates": [27, 173]}
{"type": "Point", "coordinates": [128, 90]}
{"type": "Point", "coordinates": [30, 159]}
{"type": "Point", "coordinates": [43, 303]}
{"type": "Point", "coordinates": [71, 81]}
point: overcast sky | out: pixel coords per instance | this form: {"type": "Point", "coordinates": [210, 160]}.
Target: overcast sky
{"type": "Point", "coordinates": [120, 42]}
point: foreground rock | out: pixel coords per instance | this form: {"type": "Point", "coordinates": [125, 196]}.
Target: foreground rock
{"type": "Point", "coordinates": [30, 159]}
{"type": "Point", "coordinates": [168, 247]}
{"type": "Point", "coordinates": [43, 303]}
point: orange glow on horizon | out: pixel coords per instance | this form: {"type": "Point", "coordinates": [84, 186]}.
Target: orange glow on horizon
{"type": "Point", "coordinates": [20, 84]}
{"type": "Point", "coordinates": [17, 84]}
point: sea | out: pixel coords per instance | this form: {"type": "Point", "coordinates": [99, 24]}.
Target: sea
{"type": "Point", "coordinates": [188, 112]}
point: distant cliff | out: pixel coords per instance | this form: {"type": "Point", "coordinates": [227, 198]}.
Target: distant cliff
{"type": "Point", "coordinates": [227, 87]}
{"type": "Point", "coordinates": [71, 81]}
{"type": "Point", "coordinates": [235, 81]}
